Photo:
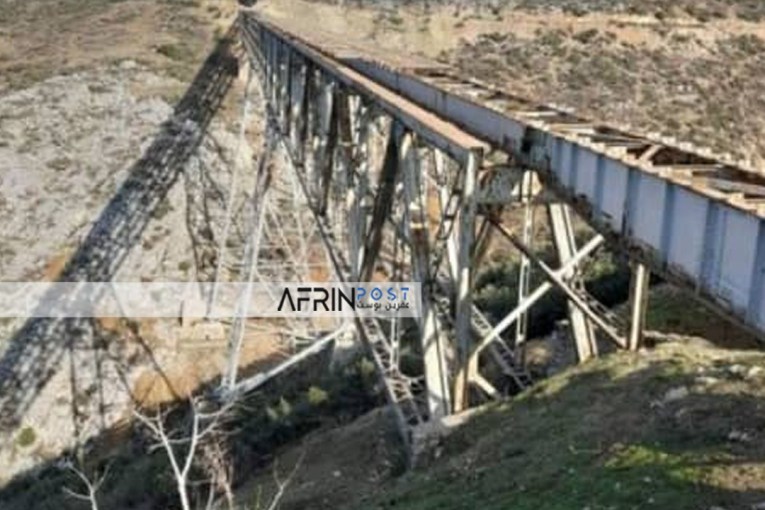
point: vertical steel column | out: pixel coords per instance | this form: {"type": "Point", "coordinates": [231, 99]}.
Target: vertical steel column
{"type": "Point", "coordinates": [444, 193]}
{"type": "Point", "coordinates": [298, 75]}
{"type": "Point", "coordinates": [638, 305]}
{"type": "Point", "coordinates": [267, 68]}
{"type": "Point", "coordinates": [524, 277]}
{"type": "Point", "coordinates": [284, 89]}
{"type": "Point", "coordinates": [358, 183]}
{"type": "Point", "coordinates": [311, 139]}
{"type": "Point", "coordinates": [565, 244]}
{"type": "Point", "coordinates": [382, 205]}
{"type": "Point", "coordinates": [325, 140]}
{"type": "Point", "coordinates": [342, 161]}
{"type": "Point", "coordinates": [276, 76]}
{"type": "Point", "coordinates": [468, 364]}
{"type": "Point", "coordinates": [431, 338]}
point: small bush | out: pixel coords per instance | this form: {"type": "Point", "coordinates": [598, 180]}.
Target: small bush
{"type": "Point", "coordinates": [162, 210]}
{"type": "Point", "coordinates": [59, 164]}
{"type": "Point", "coordinates": [586, 36]}
{"type": "Point", "coordinates": [317, 396]}
{"type": "Point", "coordinates": [26, 437]}
{"type": "Point", "coordinates": [175, 52]}
{"type": "Point", "coordinates": [576, 10]}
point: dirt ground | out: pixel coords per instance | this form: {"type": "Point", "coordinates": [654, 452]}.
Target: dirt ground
{"type": "Point", "coordinates": [675, 76]}
{"type": "Point", "coordinates": [440, 29]}
{"type": "Point", "coordinates": [42, 39]}
{"type": "Point", "coordinates": [331, 466]}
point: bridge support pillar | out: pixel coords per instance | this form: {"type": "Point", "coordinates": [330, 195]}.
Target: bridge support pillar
{"type": "Point", "coordinates": [431, 333]}
{"type": "Point", "coordinates": [467, 362]}
{"type": "Point", "coordinates": [324, 145]}
{"type": "Point", "coordinates": [298, 75]}
{"type": "Point", "coordinates": [526, 195]}
{"type": "Point", "coordinates": [565, 244]}
{"type": "Point", "coordinates": [638, 305]}
{"type": "Point", "coordinates": [358, 183]}
{"type": "Point", "coordinates": [448, 232]}
{"type": "Point", "coordinates": [283, 93]}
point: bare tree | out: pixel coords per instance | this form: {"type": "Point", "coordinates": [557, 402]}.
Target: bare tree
{"type": "Point", "coordinates": [203, 445]}
{"type": "Point", "coordinates": [180, 448]}
{"type": "Point", "coordinates": [216, 463]}
{"type": "Point", "coordinates": [281, 485]}
{"type": "Point", "coordinates": [92, 486]}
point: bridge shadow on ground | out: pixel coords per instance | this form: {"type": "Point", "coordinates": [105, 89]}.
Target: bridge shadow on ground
{"type": "Point", "coordinates": [35, 352]}
{"type": "Point", "coordinates": [279, 414]}
{"type": "Point", "coordinates": [680, 428]}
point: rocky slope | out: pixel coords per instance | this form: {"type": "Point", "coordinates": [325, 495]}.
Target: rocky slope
{"type": "Point", "coordinates": [67, 147]}
{"type": "Point", "coordinates": [677, 427]}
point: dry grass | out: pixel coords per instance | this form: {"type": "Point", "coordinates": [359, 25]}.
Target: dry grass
{"type": "Point", "coordinates": [678, 427]}
{"type": "Point", "coordinates": [699, 89]}
{"type": "Point", "coordinates": [699, 82]}
{"type": "Point", "coordinates": [39, 39]}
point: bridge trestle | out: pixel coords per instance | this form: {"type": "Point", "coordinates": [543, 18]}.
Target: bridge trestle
{"type": "Point", "coordinates": [398, 193]}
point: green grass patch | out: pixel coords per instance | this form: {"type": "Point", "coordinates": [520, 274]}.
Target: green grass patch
{"type": "Point", "coordinates": [599, 436]}
{"type": "Point", "coordinates": [26, 437]}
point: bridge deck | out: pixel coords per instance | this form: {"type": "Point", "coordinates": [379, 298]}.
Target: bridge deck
{"type": "Point", "coordinates": [443, 134]}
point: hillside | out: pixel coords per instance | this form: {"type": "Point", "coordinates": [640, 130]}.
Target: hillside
{"type": "Point", "coordinates": [659, 66]}
{"type": "Point", "coordinates": [680, 427]}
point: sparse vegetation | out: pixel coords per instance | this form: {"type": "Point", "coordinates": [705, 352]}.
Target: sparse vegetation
{"type": "Point", "coordinates": [283, 412]}
{"type": "Point", "coordinates": [163, 209]}
{"type": "Point", "coordinates": [698, 91]}
{"type": "Point", "coordinates": [672, 428]}
{"type": "Point", "coordinates": [51, 38]}
{"type": "Point", "coordinates": [178, 52]}
{"type": "Point", "coordinates": [26, 437]}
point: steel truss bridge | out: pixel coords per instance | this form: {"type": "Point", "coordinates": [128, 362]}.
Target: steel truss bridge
{"type": "Point", "coordinates": [382, 167]}
{"type": "Point", "coordinates": [407, 168]}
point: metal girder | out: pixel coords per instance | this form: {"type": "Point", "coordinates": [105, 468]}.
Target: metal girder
{"type": "Point", "coordinates": [283, 92]}
{"type": "Point", "coordinates": [299, 70]}
{"type": "Point", "coordinates": [446, 238]}
{"type": "Point", "coordinates": [526, 194]}
{"type": "Point", "coordinates": [358, 184]}
{"type": "Point", "coordinates": [431, 334]}
{"type": "Point", "coordinates": [577, 297]}
{"type": "Point", "coordinates": [565, 244]}
{"type": "Point", "coordinates": [541, 290]}
{"type": "Point", "coordinates": [444, 135]}
{"type": "Point", "coordinates": [382, 205]}
{"type": "Point", "coordinates": [256, 381]}
{"type": "Point", "coordinates": [324, 149]}
{"type": "Point", "coordinates": [468, 364]}
{"type": "Point", "coordinates": [638, 305]}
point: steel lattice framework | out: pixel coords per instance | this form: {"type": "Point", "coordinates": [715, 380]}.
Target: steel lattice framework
{"type": "Point", "coordinates": [407, 170]}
